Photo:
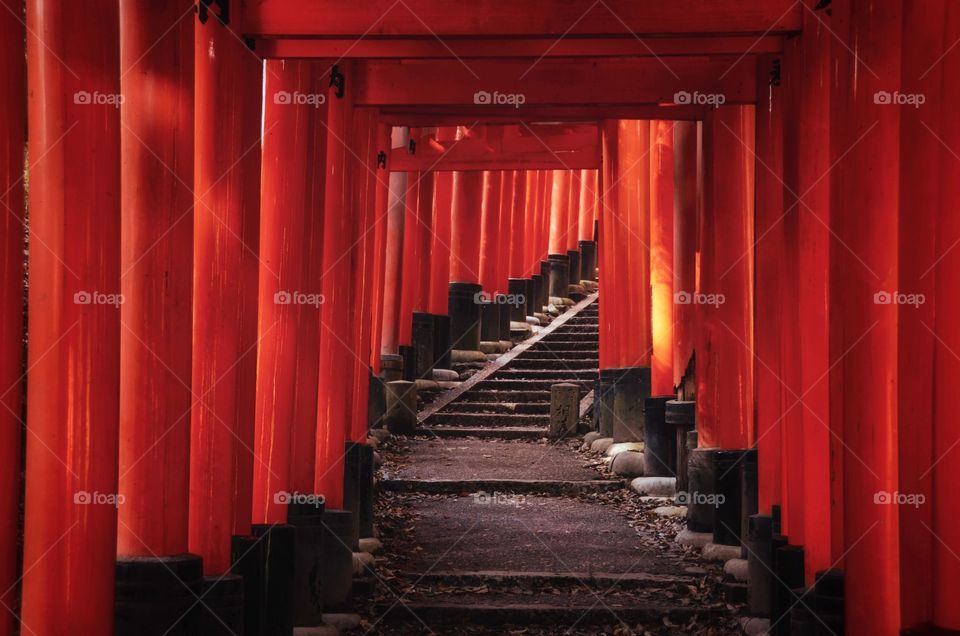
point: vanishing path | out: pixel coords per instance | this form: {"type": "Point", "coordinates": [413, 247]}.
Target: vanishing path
{"type": "Point", "coordinates": [491, 528]}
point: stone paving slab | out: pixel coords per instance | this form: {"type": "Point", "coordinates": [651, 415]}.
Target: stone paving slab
{"type": "Point", "coordinates": [526, 532]}
{"type": "Point", "coordinates": [491, 459]}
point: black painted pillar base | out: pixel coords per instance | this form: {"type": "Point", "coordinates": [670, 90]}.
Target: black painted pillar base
{"type": "Point", "coordinates": [545, 286]}
{"type": "Point", "coordinates": [351, 488]}
{"type": "Point", "coordinates": [788, 578]}
{"type": "Point", "coordinates": [266, 563]}
{"type": "Point", "coordinates": [659, 451]}
{"type": "Point", "coordinates": [306, 517]}
{"type": "Point", "coordinates": [701, 493]}
{"type": "Point", "coordinates": [409, 355]}
{"type": "Point", "coordinates": [760, 564]}
{"type": "Point", "coordinates": [519, 290]}
{"type": "Point", "coordinates": [573, 274]}
{"type": "Point", "coordinates": [603, 401]}
{"type": "Point", "coordinates": [749, 491]}
{"type": "Point", "coordinates": [682, 416]}
{"type": "Point", "coordinates": [154, 594]}
{"type": "Point", "coordinates": [727, 513]}
{"type": "Point", "coordinates": [559, 275]}
{"type": "Point", "coordinates": [376, 402]}
{"type": "Point", "coordinates": [503, 309]}
{"type": "Point", "coordinates": [535, 302]}
{"type": "Point", "coordinates": [588, 260]}
{"type": "Point", "coordinates": [224, 607]}
{"type": "Point", "coordinates": [366, 492]}
{"type": "Point", "coordinates": [337, 576]}
{"type": "Point", "coordinates": [489, 321]}
{"type": "Point", "coordinates": [464, 312]}
{"type": "Point", "coordinates": [441, 342]}
{"type": "Point", "coordinates": [423, 340]}
{"type": "Point", "coordinates": [630, 388]}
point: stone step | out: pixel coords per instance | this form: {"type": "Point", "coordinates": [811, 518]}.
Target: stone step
{"type": "Point", "coordinates": [578, 608]}
{"type": "Point", "coordinates": [551, 362]}
{"type": "Point", "coordinates": [502, 432]}
{"type": "Point", "coordinates": [565, 346]}
{"type": "Point", "coordinates": [572, 336]}
{"type": "Point", "coordinates": [475, 395]}
{"type": "Point", "coordinates": [557, 374]}
{"type": "Point", "coordinates": [541, 407]}
{"type": "Point", "coordinates": [481, 488]}
{"type": "Point", "coordinates": [529, 385]}
{"type": "Point", "coordinates": [541, 354]}
{"type": "Point", "coordinates": [508, 578]}
{"type": "Point", "coordinates": [488, 419]}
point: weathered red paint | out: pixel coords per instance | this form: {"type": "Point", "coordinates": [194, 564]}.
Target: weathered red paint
{"type": "Point", "coordinates": [468, 188]}
{"type": "Point", "coordinates": [225, 273]}
{"type": "Point", "coordinates": [490, 230]}
{"type": "Point", "coordinates": [156, 144]}
{"type": "Point", "coordinates": [661, 257]}
{"type": "Point", "coordinates": [686, 201]}
{"type": "Point", "coordinates": [73, 361]}
{"type": "Point", "coordinates": [13, 120]}
{"type": "Point", "coordinates": [442, 218]}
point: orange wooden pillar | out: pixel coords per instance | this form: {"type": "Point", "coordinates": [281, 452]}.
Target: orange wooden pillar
{"type": "Point", "coordinates": [417, 241]}
{"type": "Point", "coordinates": [774, 325]}
{"type": "Point", "coordinates": [586, 241]}
{"type": "Point", "coordinates": [559, 229]}
{"type": "Point", "coordinates": [508, 189]}
{"type": "Point", "coordinates": [156, 144]}
{"type": "Point", "coordinates": [724, 299]}
{"type": "Point", "coordinates": [863, 334]}
{"type": "Point", "coordinates": [945, 497]}
{"type": "Point", "coordinates": [440, 245]}
{"type": "Point", "coordinates": [661, 257]}
{"type": "Point", "coordinates": [686, 201]}
{"type": "Point", "coordinates": [519, 285]}
{"type": "Point", "coordinates": [225, 234]}
{"type": "Point", "coordinates": [73, 364]}
{"type": "Point", "coordinates": [336, 341]}
{"type": "Point", "coordinates": [465, 230]}
{"type": "Point", "coordinates": [393, 267]}
{"type": "Point", "coordinates": [490, 240]}
{"type": "Point", "coordinates": [13, 121]}
{"type": "Point", "coordinates": [288, 299]}
{"type": "Point", "coordinates": [609, 204]}
{"type": "Point", "coordinates": [380, 243]}
{"type": "Point", "coordinates": [573, 226]}
{"type": "Point", "coordinates": [364, 192]}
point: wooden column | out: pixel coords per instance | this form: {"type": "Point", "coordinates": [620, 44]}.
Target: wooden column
{"type": "Point", "coordinates": [661, 256]}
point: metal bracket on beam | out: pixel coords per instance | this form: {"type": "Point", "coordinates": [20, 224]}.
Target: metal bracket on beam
{"type": "Point", "coordinates": [775, 72]}
{"type": "Point", "coordinates": [382, 159]}
{"type": "Point", "coordinates": [203, 11]}
{"type": "Point", "coordinates": [412, 147]}
{"type": "Point", "coordinates": [823, 4]}
{"type": "Point", "coordinates": [338, 80]}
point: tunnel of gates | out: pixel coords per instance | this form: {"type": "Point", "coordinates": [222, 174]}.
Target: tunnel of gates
{"type": "Point", "coordinates": [239, 212]}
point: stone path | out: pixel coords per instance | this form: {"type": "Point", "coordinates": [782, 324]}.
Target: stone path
{"type": "Point", "coordinates": [490, 528]}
